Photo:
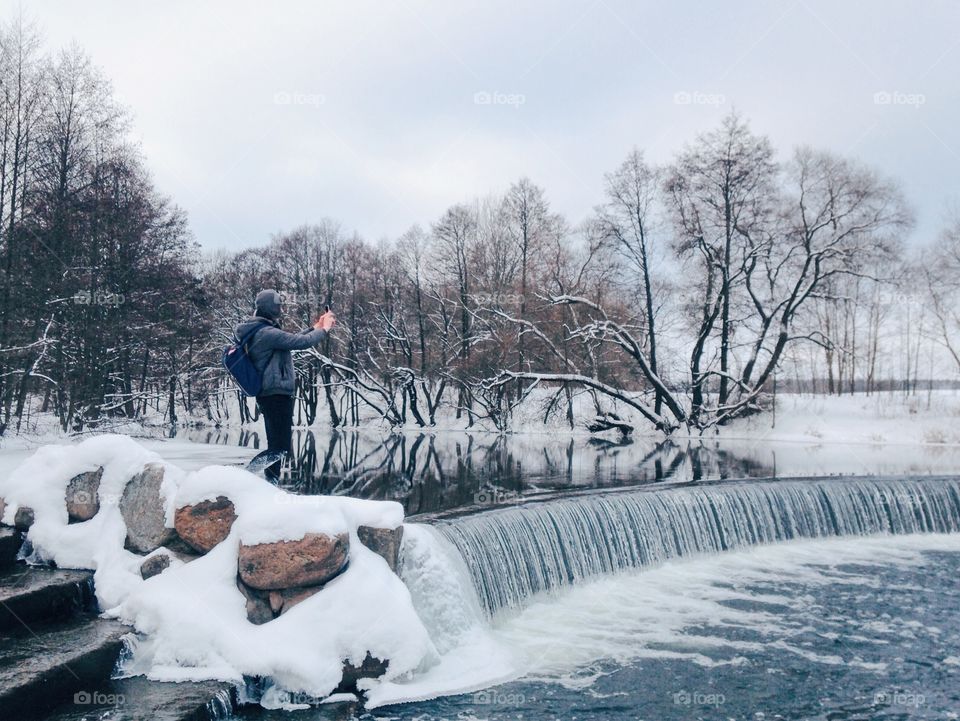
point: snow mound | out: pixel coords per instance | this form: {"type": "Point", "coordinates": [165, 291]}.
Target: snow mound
{"type": "Point", "coordinates": [191, 619]}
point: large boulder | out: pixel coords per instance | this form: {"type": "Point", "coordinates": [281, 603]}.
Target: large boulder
{"type": "Point", "coordinates": [82, 496]}
{"type": "Point", "coordinates": [142, 509]}
{"type": "Point", "coordinates": [310, 561]}
{"type": "Point", "coordinates": [383, 541]}
{"type": "Point", "coordinates": [205, 524]}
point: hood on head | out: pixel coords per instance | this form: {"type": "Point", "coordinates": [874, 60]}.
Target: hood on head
{"type": "Point", "coordinates": [268, 304]}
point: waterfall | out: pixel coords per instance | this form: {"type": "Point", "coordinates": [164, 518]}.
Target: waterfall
{"type": "Point", "coordinates": [515, 552]}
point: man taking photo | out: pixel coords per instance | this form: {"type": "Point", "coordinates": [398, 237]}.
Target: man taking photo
{"type": "Point", "coordinates": [269, 350]}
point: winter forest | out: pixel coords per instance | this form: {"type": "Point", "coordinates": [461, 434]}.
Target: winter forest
{"type": "Point", "coordinates": [694, 290]}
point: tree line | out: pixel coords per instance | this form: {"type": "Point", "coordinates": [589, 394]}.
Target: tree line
{"type": "Point", "coordinates": [97, 266]}
{"type": "Point", "coordinates": [678, 302]}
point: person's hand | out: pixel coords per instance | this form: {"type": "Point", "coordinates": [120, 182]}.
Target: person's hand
{"type": "Point", "coordinates": [326, 321]}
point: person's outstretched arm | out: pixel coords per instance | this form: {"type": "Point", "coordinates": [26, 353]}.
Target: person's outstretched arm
{"type": "Point", "coordinates": [282, 340]}
{"type": "Point", "coordinates": [308, 338]}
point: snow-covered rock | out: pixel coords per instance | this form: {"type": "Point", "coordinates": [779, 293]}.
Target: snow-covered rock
{"type": "Point", "coordinates": [24, 518]}
{"type": "Point", "coordinates": [153, 565]}
{"type": "Point", "coordinates": [142, 508]}
{"type": "Point", "coordinates": [205, 524]}
{"type": "Point", "coordinates": [82, 497]}
{"type": "Point", "coordinates": [385, 542]}
{"type": "Point", "coordinates": [309, 561]}
{"type": "Point", "coordinates": [333, 609]}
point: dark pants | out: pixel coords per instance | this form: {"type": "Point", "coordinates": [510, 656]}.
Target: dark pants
{"type": "Point", "coordinates": [277, 413]}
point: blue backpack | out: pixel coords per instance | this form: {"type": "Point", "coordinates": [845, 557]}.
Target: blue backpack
{"type": "Point", "coordinates": [241, 367]}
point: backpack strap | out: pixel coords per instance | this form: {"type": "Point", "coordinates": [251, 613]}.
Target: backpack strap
{"type": "Point", "coordinates": [249, 335]}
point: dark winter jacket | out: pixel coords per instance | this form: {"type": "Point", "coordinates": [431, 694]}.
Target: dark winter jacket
{"type": "Point", "coordinates": [270, 352]}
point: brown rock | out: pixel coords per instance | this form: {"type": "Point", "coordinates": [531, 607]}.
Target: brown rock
{"type": "Point", "coordinates": [205, 524]}
{"type": "Point", "coordinates": [143, 512]}
{"type": "Point", "coordinates": [156, 564]}
{"type": "Point", "coordinates": [258, 605]}
{"type": "Point", "coordinates": [384, 542]}
{"type": "Point", "coordinates": [82, 497]}
{"type": "Point", "coordinates": [23, 519]}
{"type": "Point", "coordinates": [314, 559]}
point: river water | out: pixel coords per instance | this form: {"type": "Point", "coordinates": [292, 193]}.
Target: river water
{"type": "Point", "coordinates": [433, 473]}
{"type": "Point", "coordinates": [841, 629]}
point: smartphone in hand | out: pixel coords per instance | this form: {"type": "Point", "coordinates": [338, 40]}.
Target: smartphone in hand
{"type": "Point", "coordinates": [326, 321]}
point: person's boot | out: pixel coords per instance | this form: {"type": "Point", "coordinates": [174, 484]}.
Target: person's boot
{"type": "Point", "coordinates": [267, 464]}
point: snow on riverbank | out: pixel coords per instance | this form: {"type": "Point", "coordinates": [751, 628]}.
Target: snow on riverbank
{"type": "Point", "coordinates": [879, 418]}
{"type": "Point", "coordinates": [883, 417]}
{"type": "Point", "coordinates": [192, 618]}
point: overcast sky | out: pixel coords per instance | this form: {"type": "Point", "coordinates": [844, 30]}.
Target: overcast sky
{"type": "Point", "coordinates": [259, 117]}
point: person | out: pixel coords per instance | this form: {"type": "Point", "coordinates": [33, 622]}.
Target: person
{"type": "Point", "coordinates": [269, 350]}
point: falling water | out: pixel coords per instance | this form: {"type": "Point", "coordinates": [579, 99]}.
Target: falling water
{"type": "Point", "coordinates": [222, 705]}
{"type": "Point", "coordinates": [516, 552]}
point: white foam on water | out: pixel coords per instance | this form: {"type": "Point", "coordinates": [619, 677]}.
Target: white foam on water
{"type": "Point", "coordinates": [469, 657]}
{"type": "Point", "coordinates": [674, 611]}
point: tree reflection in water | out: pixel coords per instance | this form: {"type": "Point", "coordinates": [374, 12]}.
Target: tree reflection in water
{"type": "Point", "coordinates": [443, 471]}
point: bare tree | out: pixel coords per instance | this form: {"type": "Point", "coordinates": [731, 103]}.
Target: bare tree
{"type": "Point", "coordinates": [720, 190]}
{"type": "Point", "coordinates": [628, 220]}
{"type": "Point", "coordinates": [940, 267]}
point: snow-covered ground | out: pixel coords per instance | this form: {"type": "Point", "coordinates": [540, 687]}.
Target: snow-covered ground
{"type": "Point", "coordinates": [879, 418]}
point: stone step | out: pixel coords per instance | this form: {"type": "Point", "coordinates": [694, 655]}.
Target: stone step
{"type": "Point", "coordinates": [10, 540]}
{"type": "Point", "coordinates": [29, 594]}
{"type": "Point", "coordinates": [44, 663]}
{"type": "Point", "coordinates": [139, 699]}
